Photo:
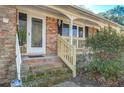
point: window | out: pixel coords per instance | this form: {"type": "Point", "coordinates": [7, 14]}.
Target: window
{"type": "Point", "coordinates": [22, 28]}
{"type": "Point", "coordinates": [80, 31]}
{"type": "Point", "coordinates": [22, 21]}
{"type": "Point", "coordinates": [86, 31]}
{"type": "Point", "coordinates": [65, 30]}
{"type": "Point", "coordinates": [75, 31]}
{"type": "Point", "coordinates": [36, 32]}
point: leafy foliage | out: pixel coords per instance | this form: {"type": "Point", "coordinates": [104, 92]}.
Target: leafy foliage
{"type": "Point", "coordinates": [106, 40]}
{"type": "Point", "coordinates": [115, 15]}
{"type": "Point", "coordinates": [22, 35]}
{"type": "Point", "coordinates": [107, 46]}
{"type": "Point", "coordinates": [110, 69]}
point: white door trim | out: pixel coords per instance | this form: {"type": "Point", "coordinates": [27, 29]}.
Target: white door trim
{"type": "Point", "coordinates": [30, 50]}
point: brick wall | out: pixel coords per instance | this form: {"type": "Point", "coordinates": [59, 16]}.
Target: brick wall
{"type": "Point", "coordinates": [7, 44]}
{"type": "Point", "coordinates": [51, 36]}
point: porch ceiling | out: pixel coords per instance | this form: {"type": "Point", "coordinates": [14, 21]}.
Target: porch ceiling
{"type": "Point", "coordinates": [87, 22]}
{"type": "Point", "coordinates": [60, 13]}
{"type": "Point", "coordinates": [46, 8]}
{"type": "Point", "coordinates": [69, 11]}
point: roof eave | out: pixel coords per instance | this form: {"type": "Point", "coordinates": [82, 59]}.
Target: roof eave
{"type": "Point", "coordinates": [91, 13]}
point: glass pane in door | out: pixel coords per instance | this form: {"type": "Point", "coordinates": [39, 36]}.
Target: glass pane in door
{"type": "Point", "coordinates": [22, 32]}
{"type": "Point", "coordinates": [36, 32]}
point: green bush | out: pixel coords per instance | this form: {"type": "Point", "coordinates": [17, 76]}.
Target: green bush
{"type": "Point", "coordinates": [110, 69]}
{"type": "Point", "coordinates": [107, 46]}
{"type": "Point", "coordinates": [106, 40]}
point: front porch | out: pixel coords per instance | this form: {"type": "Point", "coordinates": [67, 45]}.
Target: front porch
{"type": "Point", "coordinates": [37, 71]}
{"type": "Point", "coordinates": [48, 37]}
{"type": "Point", "coordinates": [51, 43]}
{"type": "Point", "coordinates": [38, 33]}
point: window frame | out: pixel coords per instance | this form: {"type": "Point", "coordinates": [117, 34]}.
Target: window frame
{"type": "Point", "coordinates": [77, 25]}
{"type": "Point", "coordinates": [62, 28]}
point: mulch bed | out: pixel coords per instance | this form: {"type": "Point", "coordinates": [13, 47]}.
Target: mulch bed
{"type": "Point", "coordinates": [87, 79]}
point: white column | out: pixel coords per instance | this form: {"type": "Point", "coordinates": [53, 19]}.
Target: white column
{"type": "Point", "coordinates": [84, 32]}
{"type": "Point", "coordinates": [77, 34]}
{"type": "Point", "coordinates": [77, 31]}
{"type": "Point", "coordinates": [71, 31]}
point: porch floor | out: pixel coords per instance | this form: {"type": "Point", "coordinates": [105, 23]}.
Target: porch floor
{"type": "Point", "coordinates": [44, 63]}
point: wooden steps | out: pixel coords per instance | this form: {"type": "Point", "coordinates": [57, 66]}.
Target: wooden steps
{"type": "Point", "coordinates": [40, 64]}
{"type": "Point", "coordinates": [40, 71]}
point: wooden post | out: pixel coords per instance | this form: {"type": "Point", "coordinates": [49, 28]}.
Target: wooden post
{"type": "Point", "coordinates": [71, 31]}
{"type": "Point", "coordinates": [74, 62]}
{"type": "Point", "coordinates": [58, 45]}
{"type": "Point", "coordinates": [84, 32]}
{"type": "Point", "coordinates": [77, 35]}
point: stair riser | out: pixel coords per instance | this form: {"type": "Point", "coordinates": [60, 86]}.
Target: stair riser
{"type": "Point", "coordinates": [44, 60]}
{"type": "Point", "coordinates": [37, 65]}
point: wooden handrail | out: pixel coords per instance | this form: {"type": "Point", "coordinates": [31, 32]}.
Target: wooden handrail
{"type": "Point", "coordinates": [67, 53]}
{"type": "Point", "coordinates": [78, 42]}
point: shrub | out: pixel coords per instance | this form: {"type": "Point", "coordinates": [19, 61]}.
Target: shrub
{"type": "Point", "coordinates": [107, 46]}
{"type": "Point", "coordinates": [106, 40]}
{"type": "Point", "coordinates": [110, 69]}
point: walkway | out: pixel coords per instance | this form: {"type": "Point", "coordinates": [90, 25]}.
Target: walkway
{"type": "Point", "coordinates": [66, 84]}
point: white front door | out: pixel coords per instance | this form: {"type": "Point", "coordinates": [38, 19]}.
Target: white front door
{"type": "Point", "coordinates": [36, 35]}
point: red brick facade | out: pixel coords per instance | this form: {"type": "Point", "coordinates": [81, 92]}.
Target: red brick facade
{"type": "Point", "coordinates": [7, 44]}
{"type": "Point", "coordinates": [8, 38]}
{"type": "Point", "coordinates": [51, 36]}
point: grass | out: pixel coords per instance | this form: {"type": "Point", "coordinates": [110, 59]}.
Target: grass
{"type": "Point", "coordinates": [48, 78]}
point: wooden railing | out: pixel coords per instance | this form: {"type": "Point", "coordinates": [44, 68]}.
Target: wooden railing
{"type": "Point", "coordinates": [67, 53]}
{"type": "Point", "coordinates": [78, 42]}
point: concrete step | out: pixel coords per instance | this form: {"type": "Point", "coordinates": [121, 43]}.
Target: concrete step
{"type": "Point", "coordinates": [40, 64]}
{"type": "Point", "coordinates": [44, 71]}
{"type": "Point", "coordinates": [42, 60]}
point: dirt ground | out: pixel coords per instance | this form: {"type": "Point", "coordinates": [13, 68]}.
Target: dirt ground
{"type": "Point", "coordinates": [85, 79]}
